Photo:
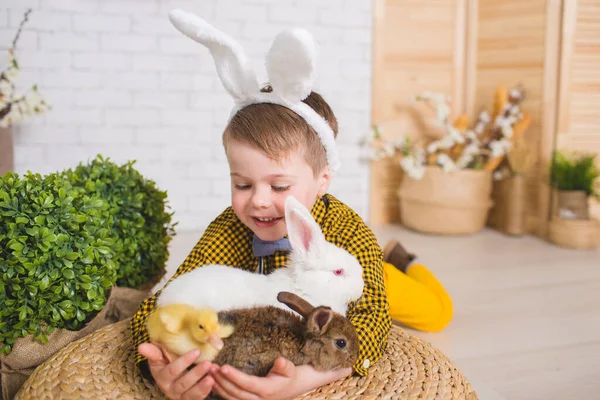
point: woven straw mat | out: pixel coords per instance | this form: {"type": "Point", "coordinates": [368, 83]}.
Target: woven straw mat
{"type": "Point", "coordinates": [100, 366]}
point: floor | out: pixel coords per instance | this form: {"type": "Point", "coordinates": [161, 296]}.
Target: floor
{"type": "Point", "coordinates": [527, 314]}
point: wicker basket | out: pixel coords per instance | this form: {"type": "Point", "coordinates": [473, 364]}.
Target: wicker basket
{"type": "Point", "coordinates": [509, 214]}
{"type": "Point", "coordinates": [574, 202]}
{"type": "Point", "coordinates": [444, 203]}
{"type": "Point", "coordinates": [574, 233]}
{"type": "Point", "coordinates": [100, 366]}
{"type": "Point", "coordinates": [386, 175]}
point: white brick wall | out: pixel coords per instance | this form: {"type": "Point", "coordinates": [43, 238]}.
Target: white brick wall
{"type": "Point", "coordinates": [124, 83]}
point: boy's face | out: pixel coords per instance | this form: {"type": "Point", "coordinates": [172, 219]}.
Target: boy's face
{"type": "Point", "coordinates": [259, 187]}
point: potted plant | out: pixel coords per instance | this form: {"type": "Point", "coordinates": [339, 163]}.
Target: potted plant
{"type": "Point", "coordinates": [448, 181]}
{"type": "Point", "coordinates": [140, 218]}
{"type": "Point", "coordinates": [14, 108]}
{"type": "Point", "coordinates": [574, 176]}
{"type": "Point", "coordinates": [56, 270]}
{"type": "Point", "coordinates": [79, 249]}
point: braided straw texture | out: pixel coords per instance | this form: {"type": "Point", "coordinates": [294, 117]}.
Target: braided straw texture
{"type": "Point", "coordinates": [101, 366]}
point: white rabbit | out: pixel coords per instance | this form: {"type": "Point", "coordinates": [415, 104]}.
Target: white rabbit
{"type": "Point", "coordinates": [319, 271]}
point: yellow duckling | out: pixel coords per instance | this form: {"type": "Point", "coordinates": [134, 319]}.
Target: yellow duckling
{"type": "Point", "coordinates": [182, 328]}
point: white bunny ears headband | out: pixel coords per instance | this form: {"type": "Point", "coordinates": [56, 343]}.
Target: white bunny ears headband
{"type": "Point", "coordinates": [290, 66]}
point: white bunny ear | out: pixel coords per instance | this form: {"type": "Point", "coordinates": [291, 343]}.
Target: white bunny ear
{"type": "Point", "coordinates": [233, 67]}
{"type": "Point", "coordinates": [291, 64]}
{"type": "Point", "coordinates": [303, 231]}
{"type": "Point", "coordinates": [291, 68]}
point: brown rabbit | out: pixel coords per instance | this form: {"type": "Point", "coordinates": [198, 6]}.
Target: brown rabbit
{"type": "Point", "coordinates": [324, 339]}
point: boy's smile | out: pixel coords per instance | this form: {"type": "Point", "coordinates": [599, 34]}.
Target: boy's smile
{"type": "Point", "coordinates": [260, 185]}
{"type": "Point", "coordinates": [267, 222]}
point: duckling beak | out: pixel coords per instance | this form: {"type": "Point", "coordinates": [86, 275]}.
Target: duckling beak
{"type": "Point", "coordinates": [215, 341]}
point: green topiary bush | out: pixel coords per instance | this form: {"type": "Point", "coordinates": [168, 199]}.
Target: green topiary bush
{"type": "Point", "coordinates": [139, 217]}
{"type": "Point", "coordinates": [57, 252]}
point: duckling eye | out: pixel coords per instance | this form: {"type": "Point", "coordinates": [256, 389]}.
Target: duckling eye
{"type": "Point", "coordinates": [341, 343]}
{"type": "Point", "coordinates": [201, 326]}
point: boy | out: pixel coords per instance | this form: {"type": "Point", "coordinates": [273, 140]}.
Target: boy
{"type": "Point", "coordinates": [263, 173]}
{"type": "Point", "coordinates": [276, 147]}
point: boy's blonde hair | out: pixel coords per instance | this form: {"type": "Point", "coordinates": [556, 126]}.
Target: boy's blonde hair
{"type": "Point", "coordinates": [277, 131]}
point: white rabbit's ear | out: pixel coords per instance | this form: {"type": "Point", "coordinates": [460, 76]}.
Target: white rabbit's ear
{"type": "Point", "coordinates": [233, 67]}
{"type": "Point", "coordinates": [303, 231]}
{"type": "Point", "coordinates": [291, 64]}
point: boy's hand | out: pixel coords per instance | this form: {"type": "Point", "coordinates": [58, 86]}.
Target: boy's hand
{"type": "Point", "coordinates": [171, 375]}
{"type": "Point", "coordinates": [284, 381]}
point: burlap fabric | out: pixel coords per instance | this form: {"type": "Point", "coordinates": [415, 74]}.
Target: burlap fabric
{"type": "Point", "coordinates": [27, 354]}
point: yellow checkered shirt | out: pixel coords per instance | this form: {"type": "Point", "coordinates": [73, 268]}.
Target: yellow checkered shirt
{"type": "Point", "coordinates": [228, 241]}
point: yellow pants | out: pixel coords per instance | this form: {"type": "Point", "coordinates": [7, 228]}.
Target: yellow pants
{"type": "Point", "coordinates": [417, 299]}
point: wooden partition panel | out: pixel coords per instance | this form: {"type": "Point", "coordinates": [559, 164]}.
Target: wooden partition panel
{"type": "Point", "coordinates": [418, 45]}
{"type": "Point", "coordinates": [518, 43]}
{"type": "Point", "coordinates": [579, 112]}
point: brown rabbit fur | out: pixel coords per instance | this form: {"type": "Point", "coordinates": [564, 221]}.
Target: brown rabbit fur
{"type": "Point", "coordinates": [324, 339]}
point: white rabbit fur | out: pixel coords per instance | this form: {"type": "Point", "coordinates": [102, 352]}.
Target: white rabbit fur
{"type": "Point", "coordinates": [310, 274]}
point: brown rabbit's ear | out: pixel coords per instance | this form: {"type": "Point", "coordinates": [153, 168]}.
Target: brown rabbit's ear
{"type": "Point", "coordinates": [319, 320]}
{"type": "Point", "coordinates": [296, 303]}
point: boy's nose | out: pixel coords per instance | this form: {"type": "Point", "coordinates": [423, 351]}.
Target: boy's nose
{"type": "Point", "coordinates": [261, 199]}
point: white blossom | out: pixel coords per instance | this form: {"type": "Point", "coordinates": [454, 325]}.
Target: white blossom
{"type": "Point", "coordinates": [507, 130]}
{"type": "Point", "coordinates": [433, 147]}
{"type": "Point", "coordinates": [442, 144]}
{"type": "Point", "coordinates": [442, 111]}
{"type": "Point", "coordinates": [388, 149]}
{"type": "Point", "coordinates": [420, 156]}
{"type": "Point", "coordinates": [6, 88]}
{"type": "Point", "coordinates": [446, 163]}
{"type": "Point", "coordinates": [482, 121]}
{"type": "Point", "coordinates": [20, 106]}
{"type": "Point", "coordinates": [472, 136]}
{"type": "Point", "coordinates": [447, 142]}
{"type": "Point", "coordinates": [412, 166]}
{"type": "Point", "coordinates": [12, 74]}
{"type": "Point", "coordinates": [515, 93]}
{"type": "Point", "coordinates": [455, 134]}
{"type": "Point", "coordinates": [485, 116]}
{"type": "Point", "coordinates": [500, 147]}
{"type": "Point", "coordinates": [469, 152]}
{"type": "Point", "coordinates": [375, 147]}
{"type": "Point", "coordinates": [505, 125]}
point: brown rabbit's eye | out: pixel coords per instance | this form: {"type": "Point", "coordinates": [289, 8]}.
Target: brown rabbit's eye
{"type": "Point", "coordinates": [341, 343]}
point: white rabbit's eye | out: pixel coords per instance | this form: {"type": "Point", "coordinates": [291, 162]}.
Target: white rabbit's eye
{"type": "Point", "coordinates": [338, 272]}
{"type": "Point", "coordinates": [341, 343]}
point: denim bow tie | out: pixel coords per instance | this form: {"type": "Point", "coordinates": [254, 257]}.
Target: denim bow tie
{"type": "Point", "coordinates": [262, 248]}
